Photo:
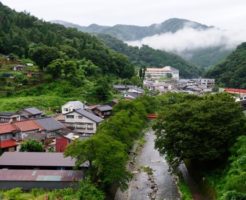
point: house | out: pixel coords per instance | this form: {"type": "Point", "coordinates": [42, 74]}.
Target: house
{"type": "Point", "coordinates": [103, 111]}
{"type": "Point", "coordinates": [7, 134]}
{"type": "Point", "coordinates": [63, 141]}
{"type": "Point", "coordinates": [18, 67]}
{"type": "Point", "coordinates": [131, 95]}
{"type": "Point", "coordinates": [159, 73]}
{"type": "Point", "coordinates": [31, 113]}
{"type": "Point", "coordinates": [27, 128]}
{"type": "Point", "coordinates": [72, 105]}
{"type": "Point", "coordinates": [50, 126]}
{"type": "Point", "coordinates": [82, 121]}
{"type": "Point", "coordinates": [7, 117]}
{"type": "Point", "coordinates": [120, 88]}
{"type": "Point", "coordinates": [38, 160]}
{"type": "Point", "coordinates": [28, 179]}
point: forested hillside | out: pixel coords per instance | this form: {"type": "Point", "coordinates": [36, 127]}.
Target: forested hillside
{"type": "Point", "coordinates": [149, 57]}
{"type": "Point", "coordinates": [231, 72]}
{"type": "Point", "coordinates": [133, 32]}
{"type": "Point", "coordinates": [27, 36]}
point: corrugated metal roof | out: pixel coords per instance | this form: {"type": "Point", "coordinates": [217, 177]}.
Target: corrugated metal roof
{"type": "Point", "coordinates": [33, 111]}
{"type": "Point", "coordinates": [40, 175]}
{"type": "Point", "coordinates": [89, 115]}
{"type": "Point", "coordinates": [49, 124]}
{"type": "Point", "coordinates": [38, 159]}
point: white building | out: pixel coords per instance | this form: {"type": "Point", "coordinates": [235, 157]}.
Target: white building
{"type": "Point", "coordinates": [159, 73]}
{"type": "Point", "coordinates": [82, 121]}
{"type": "Point", "coordinates": [72, 105]}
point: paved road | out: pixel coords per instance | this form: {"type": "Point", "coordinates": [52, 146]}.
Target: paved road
{"type": "Point", "coordinates": [145, 186]}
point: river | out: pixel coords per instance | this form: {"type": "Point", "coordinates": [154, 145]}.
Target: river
{"type": "Point", "coordinates": [151, 180]}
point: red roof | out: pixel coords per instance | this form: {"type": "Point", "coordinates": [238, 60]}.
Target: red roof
{"type": "Point", "coordinates": [7, 128]}
{"type": "Point", "coordinates": [28, 125]}
{"type": "Point", "coordinates": [7, 143]}
{"type": "Point", "coordinates": [235, 91]}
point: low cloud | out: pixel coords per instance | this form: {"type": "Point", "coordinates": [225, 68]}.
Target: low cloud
{"type": "Point", "coordinates": [189, 39]}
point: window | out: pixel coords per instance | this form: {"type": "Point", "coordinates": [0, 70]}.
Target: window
{"type": "Point", "coordinates": [89, 126]}
{"type": "Point", "coordinates": [70, 116]}
{"type": "Point", "coordinates": [80, 117]}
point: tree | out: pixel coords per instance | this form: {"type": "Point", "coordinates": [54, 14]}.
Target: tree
{"type": "Point", "coordinates": [44, 55]}
{"type": "Point", "coordinates": [199, 129]}
{"type": "Point", "coordinates": [101, 91]}
{"type": "Point", "coordinates": [32, 146]}
{"type": "Point", "coordinates": [87, 191]}
{"type": "Point", "coordinates": [107, 158]}
{"type": "Point", "coordinates": [55, 68]}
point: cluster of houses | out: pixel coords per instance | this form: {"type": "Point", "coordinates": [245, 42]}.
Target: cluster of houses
{"type": "Point", "coordinates": [167, 79]}
{"type": "Point", "coordinates": [129, 92]}
{"type": "Point", "coordinates": [45, 169]}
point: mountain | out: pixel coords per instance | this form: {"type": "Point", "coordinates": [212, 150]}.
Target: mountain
{"type": "Point", "coordinates": [203, 57]}
{"type": "Point", "coordinates": [132, 32]}
{"type": "Point", "coordinates": [146, 56]}
{"type": "Point", "coordinates": [231, 72]}
{"type": "Point", "coordinates": [27, 36]}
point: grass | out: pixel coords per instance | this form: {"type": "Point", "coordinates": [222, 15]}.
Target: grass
{"type": "Point", "coordinates": [46, 103]}
{"type": "Point", "coordinates": [39, 194]}
{"type": "Point", "coordinates": [184, 189]}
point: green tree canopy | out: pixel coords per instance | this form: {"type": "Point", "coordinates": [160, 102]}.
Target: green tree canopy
{"type": "Point", "coordinates": [199, 129]}
{"type": "Point", "coordinates": [107, 159]}
{"type": "Point", "coordinates": [32, 146]}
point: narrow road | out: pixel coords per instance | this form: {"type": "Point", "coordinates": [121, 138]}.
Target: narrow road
{"type": "Point", "coordinates": [151, 180]}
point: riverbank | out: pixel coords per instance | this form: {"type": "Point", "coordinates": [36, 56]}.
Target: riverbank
{"type": "Point", "coordinates": [151, 178]}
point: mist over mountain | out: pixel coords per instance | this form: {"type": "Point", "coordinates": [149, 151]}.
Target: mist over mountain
{"type": "Point", "coordinates": [198, 43]}
{"type": "Point", "coordinates": [133, 33]}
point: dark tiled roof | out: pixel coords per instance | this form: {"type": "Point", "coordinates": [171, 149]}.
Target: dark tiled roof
{"type": "Point", "coordinates": [38, 159]}
{"type": "Point", "coordinates": [40, 175]}
{"type": "Point", "coordinates": [89, 115]}
{"type": "Point", "coordinates": [33, 111]}
{"type": "Point", "coordinates": [49, 124]}
{"type": "Point", "coordinates": [9, 114]}
{"type": "Point", "coordinates": [103, 108]}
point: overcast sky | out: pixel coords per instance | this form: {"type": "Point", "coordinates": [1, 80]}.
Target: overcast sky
{"type": "Point", "coordinates": [221, 13]}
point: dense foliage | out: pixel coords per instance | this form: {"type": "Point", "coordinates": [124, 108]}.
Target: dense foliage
{"type": "Point", "coordinates": [27, 36]}
{"type": "Point", "coordinates": [149, 57]}
{"type": "Point", "coordinates": [231, 72]}
{"type": "Point", "coordinates": [198, 128]}
{"type": "Point", "coordinates": [206, 57]}
{"type": "Point", "coordinates": [86, 191]}
{"type": "Point", "coordinates": [229, 183]}
{"type": "Point", "coordinates": [107, 150]}
{"type": "Point", "coordinates": [32, 146]}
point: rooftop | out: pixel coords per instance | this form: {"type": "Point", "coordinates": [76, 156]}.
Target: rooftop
{"type": "Point", "coordinates": [103, 108]}
{"type": "Point", "coordinates": [163, 69]}
{"type": "Point", "coordinates": [40, 175]}
{"type": "Point", "coordinates": [33, 111]}
{"type": "Point", "coordinates": [89, 115]}
{"type": "Point", "coordinates": [27, 125]}
{"type": "Point", "coordinates": [7, 144]}
{"type": "Point", "coordinates": [77, 104]}
{"type": "Point", "coordinates": [9, 114]}
{"type": "Point", "coordinates": [49, 124]}
{"type": "Point", "coordinates": [36, 159]}
{"type": "Point", "coordinates": [7, 128]}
